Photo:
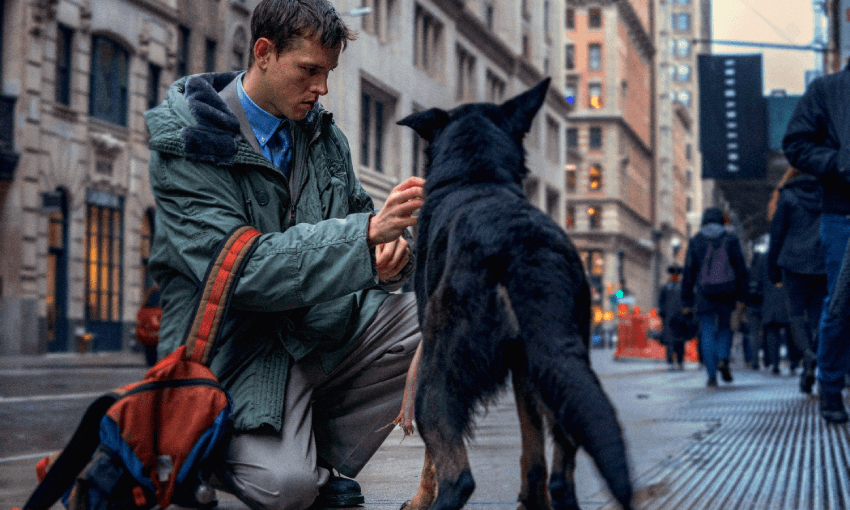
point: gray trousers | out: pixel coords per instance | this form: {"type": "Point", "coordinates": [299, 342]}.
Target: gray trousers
{"type": "Point", "coordinates": [341, 417]}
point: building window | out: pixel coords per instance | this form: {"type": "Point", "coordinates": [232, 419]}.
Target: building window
{"type": "Point", "coordinates": [64, 50]}
{"type": "Point", "coordinates": [490, 16]}
{"type": "Point", "coordinates": [145, 242]}
{"type": "Point", "coordinates": [209, 55]}
{"type": "Point", "coordinates": [495, 88]}
{"type": "Point", "coordinates": [594, 18]}
{"type": "Point", "coordinates": [684, 73]}
{"type": "Point", "coordinates": [689, 204]}
{"type": "Point", "coordinates": [553, 203]}
{"type": "Point", "coordinates": [595, 141]}
{"type": "Point", "coordinates": [380, 21]}
{"type": "Point", "coordinates": [594, 93]}
{"type": "Point", "coordinates": [377, 110]}
{"type": "Point", "coordinates": [594, 218]}
{"type": "Point", "coordinates": [685, 98]}
{"type": "Point", "coordinates": [531, 187]}
{"type": "Point", "coordinates": [594, 178]}
{"type": "Point", "coordinates": [683, 48]}
{"type": "Point", "coordinates": [570, 19]}
{"type": "Point", "coordinates": [571, 91]}
{"type": "Point", "coordinates": [427, 41]}
{"type": "Point", "coordinates": [682, 21]}
{"type": "Point", "coordinates": [553, 140]}
{"type": "Point", "coordinates": [526, 46]}
{"type": "Point", "coordinates": [109, 80]}
{"type": "Point", "coordinates": [570, 177]}
{"type": "Point", "coordinates": [465, 90]}
{"type": "Point", "coordinates": [104, 247]}
{"type": "Point", "coordinates": [571, 217]}
{"type": "Point", "coordinates": [572, 138]}
{"type": "Point", "coordinates": [183, 52]}
{"type": "Point", "coordinates": [688, 154]}
{"type": "Point", "coordinates": [240, 46]}
{"type": "Point", "coordinates": [570, 56]}
{"type": "Point", "coordinates": [154, 72]}
{"type": "Point", "coordinates": [57, 271]}
{"type": "Point", "coordinates": [594, 57]}
{"type": "Point", "coordinates": [683, 2]}
{"type": "Point", "coordinates": [546, 28]}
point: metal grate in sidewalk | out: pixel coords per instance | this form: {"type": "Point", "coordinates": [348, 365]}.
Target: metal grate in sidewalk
{"type": "Point", "coordinates": [765, 448]}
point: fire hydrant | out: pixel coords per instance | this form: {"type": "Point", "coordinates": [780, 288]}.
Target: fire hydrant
{"type": "Point", "coordinates": [84, 339]}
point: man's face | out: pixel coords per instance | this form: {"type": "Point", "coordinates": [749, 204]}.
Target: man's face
{"type": "Point", "coordinates": [294, 80]}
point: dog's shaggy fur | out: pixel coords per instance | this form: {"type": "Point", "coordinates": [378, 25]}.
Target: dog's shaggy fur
{"type": "Point", "coordinates": [501, 289]}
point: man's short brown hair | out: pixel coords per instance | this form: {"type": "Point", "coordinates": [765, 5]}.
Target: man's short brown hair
{"type": "Point", "coordinates": [284, 22]}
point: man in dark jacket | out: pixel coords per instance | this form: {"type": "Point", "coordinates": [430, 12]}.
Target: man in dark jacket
{"type": "Point", "coordinates": [817, 141]}
{"type": "Point", "coordinates": [315, 350]}
{"type": "Point", "coordinates": [714, 308]}
{"type": "Point", "coordinates": [673, 335]}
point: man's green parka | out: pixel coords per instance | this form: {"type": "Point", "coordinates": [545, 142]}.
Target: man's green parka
{"type": "Point", "coordinates": [310, 287]}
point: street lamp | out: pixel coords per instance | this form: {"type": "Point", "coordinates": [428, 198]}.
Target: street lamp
{"type": "Point", "coordinates": [676, 245]}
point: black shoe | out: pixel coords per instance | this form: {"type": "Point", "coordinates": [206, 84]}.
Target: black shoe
{"type": "Point", "coordinates": [723, 368]}
{"type": "Point", "coordinates": [832, 407]}
{"type": "Point", "coordinates": [712, 382]}
{"type": "Point", "coordinates": [338, 491]}
{"type": "Point", "coordinates": [775, 370]}
{"type": "Point", "coordinates": [807, 377]}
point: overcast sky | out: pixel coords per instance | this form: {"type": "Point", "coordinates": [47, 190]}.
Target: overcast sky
{"type": "Point", "coordinates": [772, 21]}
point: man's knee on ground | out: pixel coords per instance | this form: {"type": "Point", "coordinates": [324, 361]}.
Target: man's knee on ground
{"type": "Point", "coordinates": [290, 490]}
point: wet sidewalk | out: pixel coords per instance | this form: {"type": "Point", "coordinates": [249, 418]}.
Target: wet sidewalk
{"type": "Point", "coordinates": [757, 443]}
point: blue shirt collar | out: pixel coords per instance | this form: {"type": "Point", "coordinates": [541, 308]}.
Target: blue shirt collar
{"type": "Point", "coordinates": [263, 123]}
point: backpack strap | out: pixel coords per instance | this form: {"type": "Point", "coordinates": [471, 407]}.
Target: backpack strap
{"type": "Point", "coordinates": [73, 458]}
{"type": "Point", "coordinates": [221, 278]}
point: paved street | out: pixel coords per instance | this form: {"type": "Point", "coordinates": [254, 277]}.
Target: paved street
{"type": "Point", "coordinates": [757, 443]}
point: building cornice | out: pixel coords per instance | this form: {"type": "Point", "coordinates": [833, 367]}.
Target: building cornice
{"type": "Point", "coordinates": [614, 119]}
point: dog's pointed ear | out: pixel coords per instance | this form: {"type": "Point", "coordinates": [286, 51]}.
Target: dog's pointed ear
{"type": "Point", "coordinates": [520, 110]}
{"type": "Point", "coordinates": [426, 123]}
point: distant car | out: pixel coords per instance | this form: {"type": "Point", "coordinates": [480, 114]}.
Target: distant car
{"type": "Point", "coordinates": [147, 324]}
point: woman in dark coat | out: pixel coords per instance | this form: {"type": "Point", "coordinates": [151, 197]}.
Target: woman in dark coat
{"type": "Point", "coordinates": [796, 259]}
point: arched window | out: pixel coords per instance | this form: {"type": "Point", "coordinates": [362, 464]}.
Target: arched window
{"type": "Point", "coordinates": [594, 181]}
{"type": "Point", "coordinates": [108, 96]}
{"type": "Point", "coordinates": [594, 218]}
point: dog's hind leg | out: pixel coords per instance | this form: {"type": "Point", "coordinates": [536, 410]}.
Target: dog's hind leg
{"type": "Point", "coordinates": [448, 452]}
{"type": "Point", "coordinates": [562, 485]}
{"type": "Point", "coordinates": [532, 495]}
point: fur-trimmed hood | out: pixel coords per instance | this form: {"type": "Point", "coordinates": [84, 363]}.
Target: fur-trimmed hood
{"type": "Point", "coordinates": [194, 122]}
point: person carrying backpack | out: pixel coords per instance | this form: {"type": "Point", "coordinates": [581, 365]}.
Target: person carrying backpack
{"type": "Point", "coordinates": [714, 279]}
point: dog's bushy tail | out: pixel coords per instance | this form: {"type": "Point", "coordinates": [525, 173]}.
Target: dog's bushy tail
{"type": "Point", "coordinates": [582, 410]}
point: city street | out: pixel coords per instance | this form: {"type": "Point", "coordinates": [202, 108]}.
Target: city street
{"type": "Point", "coordinates": [756, 443]}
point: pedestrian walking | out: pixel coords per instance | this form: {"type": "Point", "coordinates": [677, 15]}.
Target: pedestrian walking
{"type": "Point", "coordinates": [676, 328]}
{"type": "Point", "coordinates": [775, 322]}
{"type": "Point", "coordinates": [315, 349]}
{"type": "Point", "coordinates": [796, 261]}
{"type": "Point", "coordinates": [714, 279]}
{"type": "Point", "coordinates": [817, 142]}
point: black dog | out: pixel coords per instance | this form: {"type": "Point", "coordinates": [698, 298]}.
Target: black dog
{"type": "Point", "coordinates": [501, 289]}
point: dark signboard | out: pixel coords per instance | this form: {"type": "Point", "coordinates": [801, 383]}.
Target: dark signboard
{"type": "Point", "coordinates": [733, 128]}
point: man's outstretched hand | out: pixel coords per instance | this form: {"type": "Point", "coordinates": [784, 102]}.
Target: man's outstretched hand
{"type": "Point", "coordinates": [397, 214]}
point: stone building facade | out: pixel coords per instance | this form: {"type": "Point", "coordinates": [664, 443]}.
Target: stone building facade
{"type": "Point", "coordinates": [76, 212]}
